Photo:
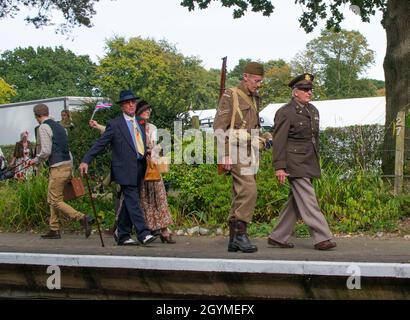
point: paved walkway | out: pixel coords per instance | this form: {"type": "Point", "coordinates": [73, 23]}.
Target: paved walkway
{"type": "Point", "coordinates": [348, 250]}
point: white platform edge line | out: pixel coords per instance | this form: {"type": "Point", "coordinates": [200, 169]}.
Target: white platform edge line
{"type": "Point", "coordinates": [328, 268]}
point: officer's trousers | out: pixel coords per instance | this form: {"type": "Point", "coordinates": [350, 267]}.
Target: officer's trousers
{"type": "Point", "coordinates": [302, 203]}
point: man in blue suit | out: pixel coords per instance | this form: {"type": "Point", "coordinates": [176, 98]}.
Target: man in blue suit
{"type": "Point", "coordinates": [127, 139]}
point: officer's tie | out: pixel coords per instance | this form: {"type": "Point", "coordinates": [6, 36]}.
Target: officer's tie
{"type": "Point", "coordinates": [138, 138]}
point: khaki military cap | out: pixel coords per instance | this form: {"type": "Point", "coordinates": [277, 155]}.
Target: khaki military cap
{"type": "Point", "coordinates": [254, 68]}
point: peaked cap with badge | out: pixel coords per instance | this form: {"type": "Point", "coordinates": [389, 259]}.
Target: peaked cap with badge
{"type": "Point", "coordinates": [304, 80]}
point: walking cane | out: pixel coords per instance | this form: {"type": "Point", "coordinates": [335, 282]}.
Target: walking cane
{"type": "Point", "coordinates": [92, 204]}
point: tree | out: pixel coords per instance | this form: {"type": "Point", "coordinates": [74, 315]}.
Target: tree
{"type": "Point", "coordinates": [6, 91]}
{"type": "Point", "coordinates": [337, 60]}
{"type": "Point", "coordinates": [396, 62]}
{"type": "Point", "coordinates": [155, 71]}
{"type": "Point", "coordinates": [46, 72]}
{"type": "Point", "coordinates": [75, 13]}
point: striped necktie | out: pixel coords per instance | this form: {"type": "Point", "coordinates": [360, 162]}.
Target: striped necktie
{"type": "Point", "coordinates": [138, 138]}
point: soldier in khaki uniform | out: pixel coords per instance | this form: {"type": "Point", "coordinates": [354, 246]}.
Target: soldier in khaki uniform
{"type": "Point", "coordinates": [296, 156]}
{"type": "Point", "coordinates": [239, 109]}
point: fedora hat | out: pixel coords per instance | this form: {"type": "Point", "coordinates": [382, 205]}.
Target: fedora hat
{"type": "Point", "coordinates": [126, 95]}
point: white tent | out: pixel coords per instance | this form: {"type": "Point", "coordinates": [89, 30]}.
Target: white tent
{"type": "Point", "coordinates": [18, 117]}
{"type": "Point", "coordinates": [206, 118]}
{"type": "Point", "coordinates": [339, 113]}
{"type": "Point", "coordinates": [333, 113]}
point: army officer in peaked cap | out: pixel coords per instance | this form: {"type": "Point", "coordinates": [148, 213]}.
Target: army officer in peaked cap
{"type": "Point", "coordinates": [239, 110]}
{"type": "Point", "coordinates": [295, 156]}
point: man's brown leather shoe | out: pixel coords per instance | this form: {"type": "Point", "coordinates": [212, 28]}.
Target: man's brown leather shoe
{"type": "Point", "coordinates": [52, 234]}
{"type": "Point", "coordinates": [280, 244]}
{"type": "Point", "coordinates": [325, 245]}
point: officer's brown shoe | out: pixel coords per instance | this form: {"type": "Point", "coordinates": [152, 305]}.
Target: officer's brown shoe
{"type": "Point", "coordinates": [52, 234]}
{"type": "Point", "coordinates": [275, 243]}
{"type": "Point", "coordinates": [325, 245]}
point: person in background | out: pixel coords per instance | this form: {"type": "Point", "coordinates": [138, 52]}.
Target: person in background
{"type": "Point", "coordinates": [23, 151]}
{"type": "Point", "coordinates": [3, 162]}
{"type": "Point", "coordinates": [66, 120]}
{"type": "Point", "coordinates": [54, 149]}
{"type": "Point", "coordinates": [95, 125]}
{"type": "Point", "coordinates": [152, 193]}
{"type": "Point", "coordinates": [295, 149]}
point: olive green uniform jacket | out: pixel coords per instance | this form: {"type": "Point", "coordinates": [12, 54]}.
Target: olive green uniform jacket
{"type": "Point", "coordinates": [296, 140]}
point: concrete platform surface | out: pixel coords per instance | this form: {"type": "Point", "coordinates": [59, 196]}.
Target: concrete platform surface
{"type": "Point", "coordinates": [201, 266]}
{"type": "Point", "coordinates": [363, 249]}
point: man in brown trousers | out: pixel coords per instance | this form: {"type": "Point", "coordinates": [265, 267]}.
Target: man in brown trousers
{"type": "Point", "coordinates": [296, 156]}
{"type": "Point", "coordinates": [54, 149]}
{"type": "Point", "coordinates": [239, 110]}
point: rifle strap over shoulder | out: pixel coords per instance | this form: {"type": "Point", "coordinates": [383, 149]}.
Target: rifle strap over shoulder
{"type": "Point", "coordinates": [235, 107]}
{"type": "Point", "coordinates": [251, 102]}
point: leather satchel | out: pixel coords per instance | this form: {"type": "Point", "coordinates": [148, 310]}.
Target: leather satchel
{"type": "Point", "coordinates": [73, 189]}
{"type": "Point", "coordinates": [152, 172]}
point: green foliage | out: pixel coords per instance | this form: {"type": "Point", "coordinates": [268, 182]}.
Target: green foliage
{"type": "Point", "coordinates": [274, 88]}
{"type": "Point", "coordinates": [359, 202]}
{"type": "Point", "coordinates": [313, 10]}
{"type": "Point", "coordinates": [353, 146]}
{"type": "Point", "coordinates": [6, 91]}
{"type": "Point", "coordinates": [8, 151]}
{"type": "Point", "coordinates": [24, 204]}
{"type": "Point", "coordinates": [236, 72]}
{"type": "Point", "coordinates": [155, 71]}
{"type": "Point", "coordinates": [82, 137]}
{"type": "Point", "coordinates": [46, 72]}
{"type": "Point", "coordinates": [240, 6]}
{"type": "Point", "coordinates": [337, 59]}
{"type": "Point", "coordinates": [24, 207]}
{"type": "Point", "coordinates": [75, 13]}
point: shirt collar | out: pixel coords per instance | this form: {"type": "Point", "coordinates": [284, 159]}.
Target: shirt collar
{"type": "Point", "coordinates": [245, 90]}
{"type": "Point", "coordinates": [298, 104]}
{"type": "Point", "coordinates": [127, 117]}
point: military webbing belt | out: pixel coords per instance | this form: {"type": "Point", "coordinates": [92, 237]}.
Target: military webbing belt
{"type": "Point", "coordinates": [236, 109]}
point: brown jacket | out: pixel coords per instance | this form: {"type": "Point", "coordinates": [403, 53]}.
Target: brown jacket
{"type": "Point", "coordinates": [224, 114]}
{"type": "Point", "coordinates": [296, 140]}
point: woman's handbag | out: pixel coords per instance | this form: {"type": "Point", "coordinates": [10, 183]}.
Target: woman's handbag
{"type": "Point", "coordinates": [163, 167]}
{"type": "Point", "coordinates": [152, 172]}
{"type": "Point", "coordinates": [73, 189]}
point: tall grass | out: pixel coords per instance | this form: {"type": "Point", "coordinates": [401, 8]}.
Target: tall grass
{"type": "Point", "coordinates": [24, 207]}
{"type": "Point", "coordinates": [24, 204]}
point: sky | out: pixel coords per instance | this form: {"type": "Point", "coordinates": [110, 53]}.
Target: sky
{"type": "Point", "coordinates": [207, 34]}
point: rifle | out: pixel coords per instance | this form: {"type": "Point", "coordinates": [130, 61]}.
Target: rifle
{"type": "Point", "coordinates": [223, 78]}
{"type": "Point", "coordinates": [222, 84]}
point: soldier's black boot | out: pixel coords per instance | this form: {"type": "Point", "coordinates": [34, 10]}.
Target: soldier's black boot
{"type": "Point", "coordinates": [231, 234]}
{"type": "Point", "coordinates": [240, 241]}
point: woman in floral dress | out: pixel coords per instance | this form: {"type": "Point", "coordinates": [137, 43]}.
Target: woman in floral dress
{"type": "Point", "coordinates": [153, 195]}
